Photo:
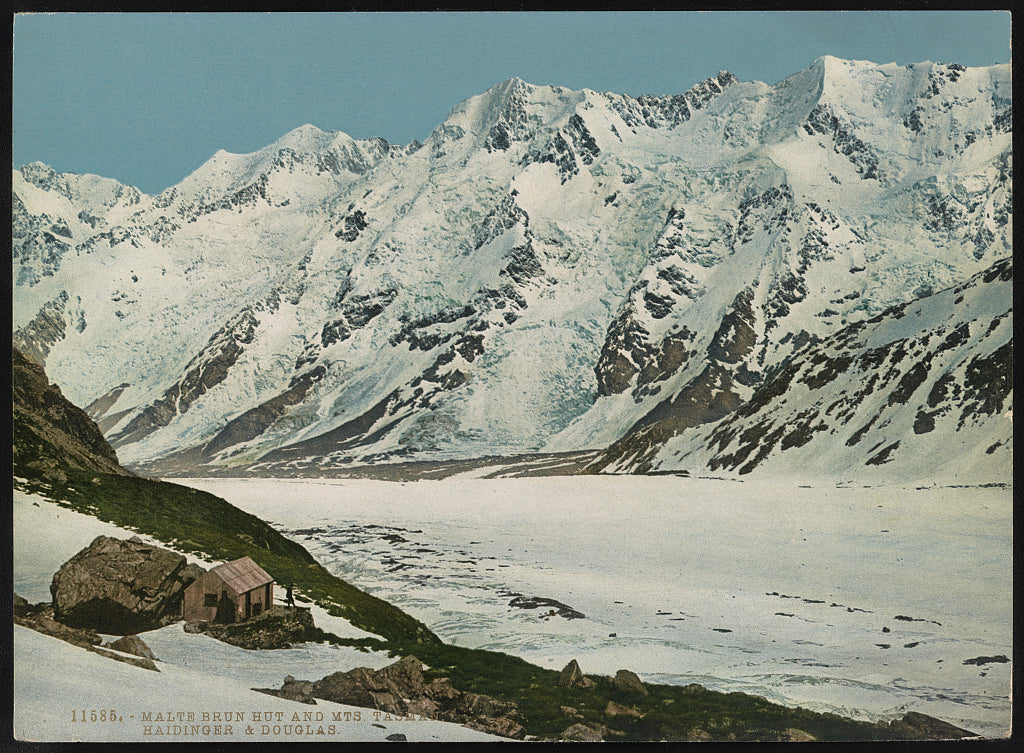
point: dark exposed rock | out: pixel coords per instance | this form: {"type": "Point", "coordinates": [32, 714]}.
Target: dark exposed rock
{"type": "Point", "coordinates": [559, 152]}
{"type": "Point", "coordinates": [512, 124]}
{"type": "Point", "coordinates": [823, 120]}
{"type": "Point", "coordinates": [502, 726]}
{"type": "Point", "coordinates": [916, 726]}
{"type": "Point", "coordinates": [352, 225]}
{"type": "Point", "coordinates": [624, 347]}
{"type": "Point", "coordinates": [206, 370]}
{"type": "Point", "coordinates": [255, 421]}
{"type": "Point", "coordinates": [882, 456]}
{"type": "Point", "coordinates": [629, 682]}
{"type": "Point", "coordinates": [572, 676]}
{"type": "Point", "coordinates": [21, 606]}
{"type": "Point", "coordinates": [39, 617]}
{"type": "Point", "coordinates": [793, 735]}
{"type": "Point", "coordinates": [131, 644]}
{"type": "Point", "coordinates": [37, 337]}
{"type": "Point", "coordinates": [300, 691]}
{"type": "Point", "coordinates": [556, 608]}
{"type": "Point", "coordinates": [401, 689]}
{"type": "Point", "coordinates": [617, 709]}
{"type": "Point", "coordinates": [41, 620]}
{"type": "Point", "coordinates": [981, 661]}
{"type": "Point", "coordinates": [581, 733]}
{"type": "Point", "coordinates": [49, 432]}
{"type": "Point", "coordinates": [135, 661]}
{"type": "Point", "coordinates": [924, 422]}
{"type": "Point", "coordinates": [383, 689]}
{"type": "Point", "coordinates": [582, 139]}
{"type": "Point", "coordinates": [669, 111]}
{"type": "Point", "coordinates": [278, 627]}
{"type": "Point", "coordinates": [120, 587]}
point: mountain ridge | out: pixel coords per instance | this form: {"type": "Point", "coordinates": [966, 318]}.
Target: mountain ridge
{"type": "Point", "coordinates": [540, 274]}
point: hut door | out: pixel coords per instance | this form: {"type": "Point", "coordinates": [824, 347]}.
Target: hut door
{"type": "Point", "coordinates": [248, 604]}
{"type": "Point", "coordinates": [225, 609]}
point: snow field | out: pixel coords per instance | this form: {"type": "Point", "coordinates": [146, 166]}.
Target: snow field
{"type": "Point", "coordinates": [775, 589]}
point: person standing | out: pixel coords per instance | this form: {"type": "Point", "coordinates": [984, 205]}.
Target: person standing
{"type": "Point", "coordinates": [288, 598]}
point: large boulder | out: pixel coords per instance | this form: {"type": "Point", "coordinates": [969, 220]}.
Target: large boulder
{"type": "Point", "coordinates": [572, 677]}
{"type": "Point", "coordinates": [629, 682]}
{"type": "Point", "coordinates": [360, 687]}
{"type": "Point", "coordinates": [300, 691]}
{"type": "Point", "coordinates": [617, 709]}
{"type": "Point", "coordinates": [120, 587]}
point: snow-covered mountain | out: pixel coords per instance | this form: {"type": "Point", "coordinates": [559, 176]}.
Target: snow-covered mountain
{"type": "Point", "coordinates": [923, 389]}
{"type": "Point", "coordinates": [550, 269]}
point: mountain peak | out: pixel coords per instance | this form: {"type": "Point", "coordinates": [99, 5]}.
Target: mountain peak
{"type": "Point", "coordinates": [596, 250]}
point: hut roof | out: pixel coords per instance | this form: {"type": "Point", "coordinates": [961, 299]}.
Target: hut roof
{"type": "Point", "coordinates": [242, 575]}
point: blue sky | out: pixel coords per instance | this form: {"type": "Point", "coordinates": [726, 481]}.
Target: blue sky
{"type": "Point", "coordinates": [147, 98]}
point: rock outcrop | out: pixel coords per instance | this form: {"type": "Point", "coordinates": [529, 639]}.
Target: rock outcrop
{"type": "Point", "coordinates": [132, 644]}
{"type": "Point", "coordinates": [300, 691]}
{"type": "Point", "coordinates": [402, 690]}
{"type": "Point", "coordinates": [581, 733]}
{"type": "Point", "coordinates": [120, 587]}
{"type": "Point", "coordinates": [39, 617]}
{"type": "Point", "coordinates": [617, 709]}
{"type": "Point", "coordinates": [572, 677]}
{"type": "Point", "coordinates": [629, 682]}
{"type": "Point", "coordinates": [917, 726]}
{"type": "Point", "coordinates": [278, 627]}
{"type": "Point", "coordinates": [51, 434]}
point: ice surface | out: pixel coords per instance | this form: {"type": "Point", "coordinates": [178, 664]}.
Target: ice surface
{"type": "Point", "coordinates": [769, 588]}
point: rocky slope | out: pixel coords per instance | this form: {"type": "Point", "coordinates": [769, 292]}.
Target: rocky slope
{"type": "Point", "coordinates": [924, 389]}
{"type": "Point", "coordinates": [49, 432]}
{"type": "Point", "coordinates": [550, 270]}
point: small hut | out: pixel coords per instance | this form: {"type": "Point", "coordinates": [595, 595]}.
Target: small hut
{"type": "Point", "coordinates": [230, 592]}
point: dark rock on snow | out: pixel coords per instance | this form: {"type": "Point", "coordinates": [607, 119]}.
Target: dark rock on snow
{"type": "Point", "coordinates": [39, 617]}
{"type": "Point", "coordinates": [131, 644]}
{"type": "Point", "coordinates": [21, 606]}
{"type": "Point", "coordinates": [300, 691]}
